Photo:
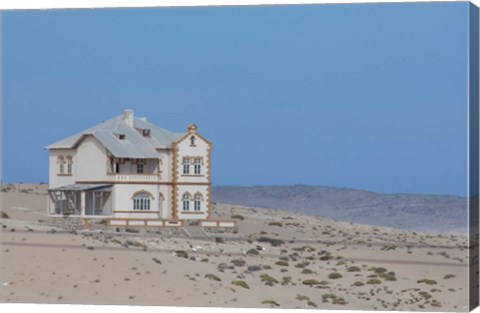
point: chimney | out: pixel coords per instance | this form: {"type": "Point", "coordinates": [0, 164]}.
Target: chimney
{"type": "Point", "coordinates": [128, 117]}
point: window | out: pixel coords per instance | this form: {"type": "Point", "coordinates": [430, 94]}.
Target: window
{"type": "Point", "coordinates": [117, 167]}
{"type": "Point", "coordinates": [69, 165]}
{"type": "Point", "coordinates": [186, 165]}
{"type": "Point", "coordinates": [146, 132]}
{"type": "Point", "coordinates": [198, 202]}
{"type": "Point", "coordinates": [192, 141]}
{"type": "Point", "coordinates": [121, 136]}
{"type": "Point", "coordinates": [186, 202]}
{"type": "Point", "coordinates": [197, 166]}
{"type": "Point", "coordinates": [141, 202]}
{"type": "Point", "coordinates": [140, 166]}
{"type": "Point", "coordinates": [61, 164]}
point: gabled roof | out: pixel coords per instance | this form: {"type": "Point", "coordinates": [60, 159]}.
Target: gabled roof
{"type": "Point", "coordinates": [134, 144]}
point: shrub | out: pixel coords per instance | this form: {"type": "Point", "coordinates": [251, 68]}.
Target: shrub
{"type": "Point", "coordinates": [302, 264]}
{"type": "Point", "coordinates": [435, 303]}
{"type": "Point", "coordinates": [302, 298]}
{"type": "Point", "coordinates": [5, 215]}
{"type": "Point", "coordinates": [269, 280]}
{"type": "Point", "coordinates": [238, 217]}
{"type": "Point", "coordinates": [307, 271]}
{"type": "Point", "coordinates": [353, 269]}
{"type": "Point", "coordinates": [311, 282]}
{"type": "Point", "coordinates": [304, 249]}
{"type": "Point", "coordinates": [213, 277]}
{"type": "Point", "coordinates": [271, 302]}
{"type": "Point", "coordinates": [448, 276]}
{"type": "Point", "coordinates": [326, 257]}
{"type": "Point", "coordinates": [390, 247]}
{"type": "Point", "coordinates": [274, 242]}
{"type": "Point", "coordinates": [390, 276]}
{"type": "Point", "coordinates": [116, 241]}
{"type": "Point", "coordinates": [279, 224]}
{"type": "Point", "coordinates": [138, 244]}
{"type": "Point", "coordinates": [254, 268]}
{"type": "Point", "coordinates": [241, 283]}
{"type": "Point", "coordinates": [253, 252]}
{"type": "Point", "coordinates": [374, 281]}
{"type": "Point", "coordinates": [181, 254]}
{"type": "Point", "coordinates": [282, 263]}
{"type": "Point", "coordinates": [238, 262]}
{"type": "Point", "coordinates": [131, 230]}
{"type": "Point", "coordinates": [339, 301]}
{"type": "Point", "coordinates": [334, 275]}
{"type": "Point", "coordinates": [425, 295]}
{"type": "Point", "coordinates": [311, 303]}
{"type": "Point", "coordinates": [334, 298]}
{"type": "Point", "coordinates": [358, 284]}
{"type": "Point", "coordinates": [378, 270]}
{"type": "Point", "coordinates": [427, 281]}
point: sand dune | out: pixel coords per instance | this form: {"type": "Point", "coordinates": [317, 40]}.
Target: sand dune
{"type": "Point", "coordinates": [274, 259]}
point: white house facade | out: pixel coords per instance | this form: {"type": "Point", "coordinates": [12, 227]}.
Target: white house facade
{"type": "Point", "coordinates": [129, 169]}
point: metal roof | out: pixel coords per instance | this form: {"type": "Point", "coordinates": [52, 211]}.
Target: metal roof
{"type": "Point", "coordinates": [134, 144]}
{"type": "Point", "coordinates": [81, 187]}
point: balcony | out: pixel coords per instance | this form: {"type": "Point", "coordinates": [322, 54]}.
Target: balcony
{"type": "Point", "coordinates": [136, 178]}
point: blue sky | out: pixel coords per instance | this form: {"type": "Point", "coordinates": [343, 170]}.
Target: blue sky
{"type": "Point", "coordinates": [362, 96]}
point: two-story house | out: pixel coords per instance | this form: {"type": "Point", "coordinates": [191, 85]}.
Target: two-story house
{"type": "Point", "coordinates": [126, 168]}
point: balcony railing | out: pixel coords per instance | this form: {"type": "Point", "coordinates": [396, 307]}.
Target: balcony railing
{"type": "Point", "coordinates": [136, 178]}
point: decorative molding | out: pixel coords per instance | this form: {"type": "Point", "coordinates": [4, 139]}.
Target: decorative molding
{"type": "Point", "coordinates": [209, 180]}
{"type": "Point", "coordinates": [186, 194]}
{"type": "Point", "coordinates": [136, 193]}
{"type": "Point", "coordinates": [189, 134]}
{"type": "Point", "coordinates": [142, 183]}
{"type": "Point", "coordinates": [198, 193]}
{"type": "Point", "coordinates": [139, 211]}
{"type": "Point", "coordinates": [174, 178]}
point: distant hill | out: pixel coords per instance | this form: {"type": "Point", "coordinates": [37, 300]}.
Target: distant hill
{"type": "Point", "coordinates": [423, 213]}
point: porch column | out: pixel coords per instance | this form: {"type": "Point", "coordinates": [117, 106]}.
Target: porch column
{"type": "Point", "coordinates": [82, 203]}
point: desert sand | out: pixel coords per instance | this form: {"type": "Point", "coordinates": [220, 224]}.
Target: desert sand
{"type": "Point", "coordinates": [273, 259]}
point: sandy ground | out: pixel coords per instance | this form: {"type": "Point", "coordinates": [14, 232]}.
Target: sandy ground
{"type": "Point", "coordinates": [274, 259]}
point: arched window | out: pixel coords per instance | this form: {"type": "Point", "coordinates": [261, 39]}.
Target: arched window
{"type": "Point", "coordinates": [198, 202]}
{"type": "Point", "coordinates": [192, 141]}
{"type": "Point", "coordinates": [141, 201]}
{"type": "Point", "coordinates": [186, 202]}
